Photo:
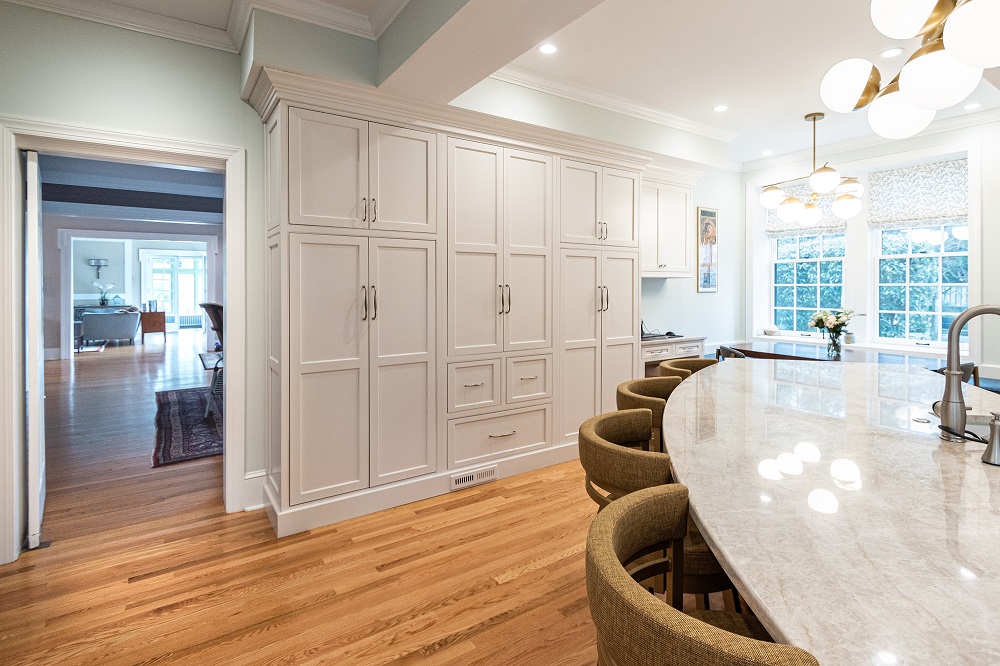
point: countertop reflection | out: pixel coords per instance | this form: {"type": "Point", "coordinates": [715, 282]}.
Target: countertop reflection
{"type": "Point", "coordinates": [854, 531]}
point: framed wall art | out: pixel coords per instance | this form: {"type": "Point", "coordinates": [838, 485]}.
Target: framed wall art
{"type": "Point", "coordinates": [708, 249]}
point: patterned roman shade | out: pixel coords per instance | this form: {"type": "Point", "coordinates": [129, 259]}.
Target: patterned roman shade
{"type": "Point", "coordinates": [829, 224]}
{"type": "Point", "coordinates": [926, 195]}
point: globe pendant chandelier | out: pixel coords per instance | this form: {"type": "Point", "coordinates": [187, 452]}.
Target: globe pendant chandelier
{"type": "Point", "coordinates": [961, 38]}
{"type": "Point", "coordinates": [824, 181]}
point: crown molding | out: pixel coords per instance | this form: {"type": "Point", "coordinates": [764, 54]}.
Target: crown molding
{"type": "Point", "coordinates": [109, 13]}
{"type": "Point", "coordinates": [672, 174]}
{"type": "Point", "coordinates": [316, 12]}
{"type": "Point", "coordinates": [273, 86]}
{"type": "Point", "coordinates": [526, 78]}
{"type": "Point", "coordinates": [834, 149]}
{"type": "Point", "coordinates": [384, 14]}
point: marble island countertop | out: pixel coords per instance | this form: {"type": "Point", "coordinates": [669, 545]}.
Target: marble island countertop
{"type": "Point", "coordinates": [852, 529]}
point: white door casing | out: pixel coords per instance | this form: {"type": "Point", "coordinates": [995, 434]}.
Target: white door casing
{"type": "Point", "coordinates": [402, 343]}
{"type": "Point", "coordinates": [327, 170]}
{"type": "Point", "coordinates": [329, 388]}
{"type": "Point", "coordinates": [34, 349]}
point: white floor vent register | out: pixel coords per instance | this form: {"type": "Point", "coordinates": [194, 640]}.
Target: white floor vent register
{"type": "Point", "coordinates": [473, 478]}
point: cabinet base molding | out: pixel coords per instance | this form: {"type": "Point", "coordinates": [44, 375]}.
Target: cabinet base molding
{"type": "Point", "coordinates": [335, 509]}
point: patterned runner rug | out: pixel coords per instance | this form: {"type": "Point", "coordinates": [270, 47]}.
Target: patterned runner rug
{"type": "Point", "coordinates": [182, 430]}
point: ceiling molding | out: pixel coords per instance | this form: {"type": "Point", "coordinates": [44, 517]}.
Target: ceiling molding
{"type": "Point", "coordinates": [273, 86]}
{"type": "Point", "coordinates": [384, 14]}
{"type": "Point", "coordinates": [109, 13]}
{"type": "Point", "coordinates": [316, 12]}
{"type": "Point", "coordinates": [833, 149]}
{"type": "Point", "coordinates": [526, 78]}
{"type": "Point", "coordinates": [239, 23]}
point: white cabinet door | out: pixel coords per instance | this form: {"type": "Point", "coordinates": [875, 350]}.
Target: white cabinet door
{"type": "Point", "coordinates": [402, 342]}
{"type": "Point", "coordinates": [580, 304]}
{"type": "Point", "coordinates": [621, 208]}
{"type": "Point", "coordinates": [328, 352]}
{"type": "Point", "coordinates": [402, 179]}
{"type": "Point", "coordinates": [619, 323]}
{"type": "Point", "coordinates": [475, 248]}
{"type": "Point", "coordinates": [649, 230]}
{"type": "Point", "coordinates": [527, 250]}
{"type": "Point", "coordinates": [580, 205]}
{"type": "Point", "coordinates": [676, 239]}
{"type": "Point", "coordinates": [327, 170]}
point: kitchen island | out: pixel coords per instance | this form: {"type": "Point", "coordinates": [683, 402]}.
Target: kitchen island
{"type": "Point", "coordinates": [851, 528]}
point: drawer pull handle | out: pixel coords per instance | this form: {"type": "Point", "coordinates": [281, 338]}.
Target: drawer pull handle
{"type": "Point", "coordinates": [473, 385]}
{"type": "Point", "coordinates": [524, 379]}
{"type": "Point", "coordinates": [506, 434]}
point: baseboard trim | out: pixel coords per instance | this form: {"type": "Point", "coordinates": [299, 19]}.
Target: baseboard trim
{"type": "Point", "coordinates": [53, 354]}
{"type": "Point", "coordinates": [989, 371]}
{"type": "Point", "coordinates": [335, 509]}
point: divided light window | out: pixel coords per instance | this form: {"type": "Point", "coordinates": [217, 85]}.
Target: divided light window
{"type": "Point", "coordinates": [923, 282]}
{"type": "Point", "coordinates": [808, 273]}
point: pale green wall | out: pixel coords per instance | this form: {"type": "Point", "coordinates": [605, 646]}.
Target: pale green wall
{"type": "Point", "coordinates": [84, 292]}
{"type": "Point", "coordinates": [59, 69]}
{"type": "Point", "coordinates": [418, 21]}
{"type": "Point", "coordinates": [674, 304]}
{"type": "Point", "coordinates": [499, 98]}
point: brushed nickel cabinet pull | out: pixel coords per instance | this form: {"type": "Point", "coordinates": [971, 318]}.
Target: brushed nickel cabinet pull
{"type": "Point", "coordinates": [506, 434]}
{"type": "Point", "coordinates": [473, 385]}
{"type": "Point", "coordinates": [364, 295]}
{"type": "Point", "coordinates": [364, 209]}
{"type": "Point", "coordinates": [524, 379]}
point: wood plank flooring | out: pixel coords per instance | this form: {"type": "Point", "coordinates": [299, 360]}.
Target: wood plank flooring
{"type": "Point", "coordinates": [145, 566]}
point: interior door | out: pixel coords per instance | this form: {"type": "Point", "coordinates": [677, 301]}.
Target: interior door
{"type": "Point", "coordinates": [329, 316]}
{"type": "Point", "coordinates": [580, 302]}
{"type": "Point", "coordinates": [402, 345]}
{"type": "Point", "coordinates": [527, 250]}
{"type": "Point", "coordinates": [34, 346]}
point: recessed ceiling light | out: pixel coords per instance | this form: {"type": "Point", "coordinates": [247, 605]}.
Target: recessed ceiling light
{"type": "Point", "coordinates": [972, 107]}
{"type": "Point", "coordinates": [548, 49]}
{"type": "Point", "coordinates": [767, 153]}
{"type": "Point", "coordinates": [719, 108]}
{"type": "Point", "coordinates": [891, 53]}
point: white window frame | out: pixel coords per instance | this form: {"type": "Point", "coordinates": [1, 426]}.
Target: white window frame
{"type": "Point", "coordinates": [773, 250]}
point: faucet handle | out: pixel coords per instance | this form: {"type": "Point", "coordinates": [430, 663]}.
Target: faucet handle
{"type": "Point", "coordinates": [996, 416]}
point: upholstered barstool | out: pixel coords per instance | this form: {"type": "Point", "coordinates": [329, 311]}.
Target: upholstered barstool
{"type": "Point", "coordinates": [634, 628]}
{"type": "Point", "coordinates": [723, 352]}
{"type": "Point", "coordinates": [648, 393]}
{"type": "Point", "coordinates": [612, 455]}
{"type": "Point", "coordinates": [684, 367]}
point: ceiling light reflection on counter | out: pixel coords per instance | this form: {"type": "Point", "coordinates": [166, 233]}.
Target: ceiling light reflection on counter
{"type": "Point", "coordinates": [789, 464]}
{"type": "Point", "coordinates": [823, 501]}
{"type": "Point", "coordinates": [768, 468]}
{"type": "Point", "coordinates": [807, 452]}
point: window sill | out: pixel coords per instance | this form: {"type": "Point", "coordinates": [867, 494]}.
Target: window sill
{"type": "Point", "coordinates": [910, 350]}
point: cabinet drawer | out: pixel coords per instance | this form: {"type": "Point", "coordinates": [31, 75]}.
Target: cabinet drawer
{"type": "Point", "coordinates": [688, 349]}
{"type": "Point", "coordinates": [658, 353]}
{"type": "Point", "coordinates": [473, 384]}
{"type": "Point", "coordinates": [477, 439]}
{"type": "Point", "coordinates": [529, 378]}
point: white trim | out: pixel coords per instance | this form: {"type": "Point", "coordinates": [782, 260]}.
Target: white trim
{"type": "Point", "coordinates": [242, 490]}
{"type": "Point", "coordinates": [384, 13]}
{"type": "Point", "coordinates": [110, 13]}
{"type": "Point", "coordinates": [67, 297]}
{"type": "Point", "coordinates": [53, 353]}
{"type": "Point", "coordinates": [527, 78]}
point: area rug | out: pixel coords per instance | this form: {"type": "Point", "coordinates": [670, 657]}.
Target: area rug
{"type": "Point", "coordinates": [183, 432]}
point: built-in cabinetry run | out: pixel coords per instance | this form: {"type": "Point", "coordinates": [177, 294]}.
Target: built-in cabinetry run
{"type": "Point", "coordinates": [656, 350]}
{"type": "Point", "coordinates": [666, 230]}
{"type": "Point", "coordinates": [415, 327]}
{"type": "Point", "coordinates": [598, 205]}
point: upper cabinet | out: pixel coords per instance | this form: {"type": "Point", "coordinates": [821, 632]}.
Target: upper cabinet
{"type": "Point", "coordinates": [598, 205]}
{"type": "Point", "coordinates": [666, 233]}
{"type": "Point", "coordinates": [348, 173]}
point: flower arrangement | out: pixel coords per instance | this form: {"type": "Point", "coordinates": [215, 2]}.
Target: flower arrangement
{"type": "Point", "coordinates": [104, 289]}
{"type": "Point", "coordinates": [835, 323]}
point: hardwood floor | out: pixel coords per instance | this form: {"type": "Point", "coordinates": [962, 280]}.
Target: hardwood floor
{"type": "Point", "coordinates": [145, 566]}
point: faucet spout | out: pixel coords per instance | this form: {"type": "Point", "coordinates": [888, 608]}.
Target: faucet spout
{"type": "Point", "coordinates": [952, 406]}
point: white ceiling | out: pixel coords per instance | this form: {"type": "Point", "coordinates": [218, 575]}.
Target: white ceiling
{"type": "Point", "coordinates": [666, 61]}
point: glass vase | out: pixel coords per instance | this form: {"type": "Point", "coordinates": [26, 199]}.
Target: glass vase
{"type": "Point", "coordinates": [834, 344]}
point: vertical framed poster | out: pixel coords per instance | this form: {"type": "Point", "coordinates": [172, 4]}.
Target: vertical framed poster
{"type": "Point", "coordinates": [708, 249]}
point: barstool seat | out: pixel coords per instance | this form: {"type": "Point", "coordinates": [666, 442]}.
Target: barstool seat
{"type": "Point", "coordinates": [684, 367]}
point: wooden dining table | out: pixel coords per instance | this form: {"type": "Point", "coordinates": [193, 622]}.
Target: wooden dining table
{"type": "Point", "coordinates": [817, 352]}
{"type": "Point", "coordinates": [852, 530]}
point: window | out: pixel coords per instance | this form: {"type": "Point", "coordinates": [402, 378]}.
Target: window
{"type": "Point", "coordinates": [923, 282]}
{"type": "Point", "coordinates": [808, 275]}
{"type": "Point", "coordinates": [176, 280]}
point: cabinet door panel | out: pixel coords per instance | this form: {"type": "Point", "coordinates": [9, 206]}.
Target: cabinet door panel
{"type": "Point", "coordinates": [580, 205]}
{"type": "Point", "coordinates": [403, 388]}
{"type": "Point", "coordinates": [528, 202]}
{"type": "Point", "coordinates": [676, 239]}
{"type": "Point", "coordinates": [579, 394]}
{"type": "Point", "coordinates": [402, 178]}
{"type": "Point", "coordinates": [617, 366]}
{"type": "Point", "coordinates": [527, 324]}
{"type": "Point", "coordinates": [649, 229]}
{"type": "Point", "coordinates": [475, 186]}
{"type": "Point", "coordinates": [579, 298]}
{"type": "Point", "coordinates": [621, 208]}
{"type": "Point", "coordinates": [328, 355]}
{"type": "Point", "coordinates": [327, 169]}
{"type": "Point", "coordinates": [474, 303]}
{"type": "Point", "coordinates": [619, 324]}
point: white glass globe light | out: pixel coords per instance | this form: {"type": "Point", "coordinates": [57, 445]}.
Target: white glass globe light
{"type": "Point", "coordinates": [972, 33]}
{"type": "Point", "coordinates": [846, 206]}
{"type": "Point", "coordinates": [811, 215]}
{"type": "Point", "coordinates": [849, 85]}
{"type": "Point", "coordinates": [851, 186]}
{"type": "Point", "coordinates": [933, 79]}
{"type": "Point", "coordinates": [824, 179]}
{"type": "Point", "coordinates": [790, 210]}
{"type": "Point", "coordinates": [771, 197]}
{"type": "Point", "coordinates": [892, 117]}
{"type": "Point", "coordinates": [901, 19]}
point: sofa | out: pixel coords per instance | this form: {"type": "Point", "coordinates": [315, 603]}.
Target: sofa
{"type": "Point", "coordinates": [107, 326]}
